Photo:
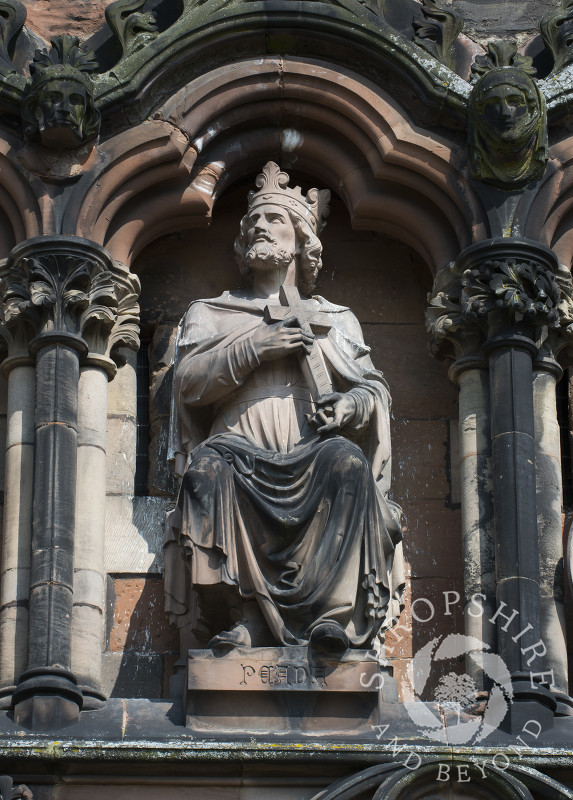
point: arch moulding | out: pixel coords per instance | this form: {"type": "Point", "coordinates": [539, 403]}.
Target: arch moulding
{"type": "Point", "coordinates": [343, 131]}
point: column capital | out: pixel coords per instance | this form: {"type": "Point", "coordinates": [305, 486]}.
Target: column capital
{"type": "Point", "coordinates": [68, 290]}
{"type": "Point", "coordinates": [500, 288]}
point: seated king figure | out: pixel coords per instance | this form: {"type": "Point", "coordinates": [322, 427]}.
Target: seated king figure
{"type": "Point", "coordinates": [283, 533]}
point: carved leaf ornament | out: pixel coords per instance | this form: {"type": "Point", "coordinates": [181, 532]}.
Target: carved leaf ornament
{"type": "Point", "coordinates": [12, 19]}
{"type": "Point", "coordinates": [523, 289]}
{"type": "Point", "coordinates": [72, 291]}
{"type": "Point", "coordinates": [436, 31]}
{"type": "Point", "coordinates": [131, 26]}
{"type": "Point", "coordinates": [556, 29]}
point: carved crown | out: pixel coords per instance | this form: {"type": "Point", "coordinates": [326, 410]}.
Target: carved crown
{"type": "Point", "coordinates": [65, 60]}
{"type": "Point", "coordinates": [273, 188]}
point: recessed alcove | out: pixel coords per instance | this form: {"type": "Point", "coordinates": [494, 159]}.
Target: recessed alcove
{"type": "Point", "coordinates": [385, 283]}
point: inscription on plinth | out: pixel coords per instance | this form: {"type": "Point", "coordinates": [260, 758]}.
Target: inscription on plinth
{"type": "Point", "coordinates": [284, 690]}
{"type": "Point", "coordinates": [283, 676]}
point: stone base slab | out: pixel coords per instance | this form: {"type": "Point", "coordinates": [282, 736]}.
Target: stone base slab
{"type": "Point", "coordinates": [285, 690]}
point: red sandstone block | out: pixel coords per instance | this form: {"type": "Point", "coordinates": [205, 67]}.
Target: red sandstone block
{"type": "Point", "coordinates": [139, 618]}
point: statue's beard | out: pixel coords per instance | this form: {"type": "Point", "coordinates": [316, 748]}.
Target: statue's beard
{"type": "Point", "coordinates": [265, 255]}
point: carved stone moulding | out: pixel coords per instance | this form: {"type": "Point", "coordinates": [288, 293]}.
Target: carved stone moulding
{"type": "Point", "coordinates": [428, 777]}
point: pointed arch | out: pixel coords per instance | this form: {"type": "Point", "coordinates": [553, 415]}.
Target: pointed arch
{"type": "Point", "coordinates": [333, 125]}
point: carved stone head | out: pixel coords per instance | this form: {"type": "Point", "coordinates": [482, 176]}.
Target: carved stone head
{"type": "Point", "coordinates": [58, 108]}
{"type": "Point", "coordinates": [304, 215]}
{"type": "Point", "coordinates": [507, 126]}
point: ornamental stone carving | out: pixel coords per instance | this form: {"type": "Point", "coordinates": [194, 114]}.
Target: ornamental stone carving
{"type": "Point", "coordinates": [10, 792]}
{"type": "Point", "coordinates": [436, 31]}
{"type": "Point", "coordinates": [471, 780]}
{"type": "Point", "coordinates": [62, 286]}
{"type": "Point", "coordinates": [556, 28]}
{"type": "Point", "coordinates": [12, 19]}
{"type": "Point", "coordinates": [507, 134]}
{"type": "Point", "coordinates": [132, 27]}
{"type": "Point", "coordinates": [522, 283]}
{"type": "Point", "coordinates": [58, 108]}
{"type": "Point", "coordinates": [283, 517]}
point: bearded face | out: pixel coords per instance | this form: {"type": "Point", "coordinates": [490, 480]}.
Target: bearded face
{"type": "Point", "coordinates": [60, 114]}
{"type": "Point", "coordinates": [263, 255]}
{"type": "Point", "coordinates": [271, 238]}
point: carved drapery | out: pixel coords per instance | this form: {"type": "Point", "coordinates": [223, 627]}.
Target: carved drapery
{"type": "Point", "coordinates": [81, 307]}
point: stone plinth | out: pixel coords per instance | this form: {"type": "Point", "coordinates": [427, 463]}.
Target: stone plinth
{"type": "Point", "coordinates": [282, 690]}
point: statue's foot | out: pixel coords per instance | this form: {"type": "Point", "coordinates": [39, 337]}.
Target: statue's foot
{"type": "Point", "coordinates": [238, 636]}
{"type": "Point", "coordinates": [329, 638]}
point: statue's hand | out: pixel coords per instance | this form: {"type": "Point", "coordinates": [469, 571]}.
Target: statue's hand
{"type": "Point", "coordinates": [281, 339]}
{"type": "Point", "coordinates": [334, 412]}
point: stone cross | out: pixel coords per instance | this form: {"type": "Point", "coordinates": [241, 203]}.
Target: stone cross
{"type": "Point", "coordinates": [311, 320]}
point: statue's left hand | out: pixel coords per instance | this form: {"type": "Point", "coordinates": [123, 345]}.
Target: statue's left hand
{"type": "Point", "coordinates": [334, 412]}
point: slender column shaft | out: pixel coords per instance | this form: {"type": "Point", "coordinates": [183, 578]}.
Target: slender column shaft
{"type": "Point", "coordinates": [53, 511]}
{"type": "Point", "coordinates": [549, 508]}
{"type": "Point", "coordinates": [477, 508]}
{"type": "Point", "coordinates": [89, 578]}
{"type": "Point", "coordinates": [513, 451]}
{"type": "Point", "coordinates": [47, 694]}
{"type": "Point", "coordinates": [67, 301]}
{"type": "Point", "coordinates": [17, 534]}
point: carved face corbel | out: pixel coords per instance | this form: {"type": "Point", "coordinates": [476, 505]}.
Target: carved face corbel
{"type": "Point", "coordinates": [58, 109]}
{"type": "Point", "coordinates": [507, 129]}
{"type": "Point", "coordinates": [60, 114]}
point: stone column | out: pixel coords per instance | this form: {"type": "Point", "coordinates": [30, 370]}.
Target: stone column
{"type": "Point", "coordinates": [81, 310]}
{"type": "Point", "coordinates": [477, 503]}
{"type": "Point", "coordinates": [512, 294]}
{"type": "Point", "coordinates": [549, 506]}
{"type": "Point", "coordinates": [459, 339]}
{"type": "Point", "coordinates": [89, 573]}
{"type": "Point", "coordinates": [18, 368]}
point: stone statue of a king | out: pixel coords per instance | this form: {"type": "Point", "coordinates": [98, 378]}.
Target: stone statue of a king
{"type": "Point", "coordinates": [284, 529]}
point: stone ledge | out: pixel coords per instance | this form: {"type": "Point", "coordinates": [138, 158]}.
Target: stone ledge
{"type": "Point", "coordinates": [145, 731]}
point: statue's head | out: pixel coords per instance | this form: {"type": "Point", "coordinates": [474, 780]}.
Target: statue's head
{"type": "Point", "coordinates": [58, 108]}
{"type": "Point", "coordinates": [282, 224]}
{"type": "Point", "coordinates": [507, 108]}
{"type": "Point", "coordinates": [507, 130]}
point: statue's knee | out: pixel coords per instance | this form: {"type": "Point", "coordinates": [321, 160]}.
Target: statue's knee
{"type": "Point", "coordinates": [348, 462]}
{"type": "Point", "coordinates": [207, 467]}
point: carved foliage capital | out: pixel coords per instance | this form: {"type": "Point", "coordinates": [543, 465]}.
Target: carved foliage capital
{"type": "Point", "coordinates": [525, 290]}
{"type": "Point", "coordinates": [68, 287]}
{"type": "Point", "coordinates": [512, 280]}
